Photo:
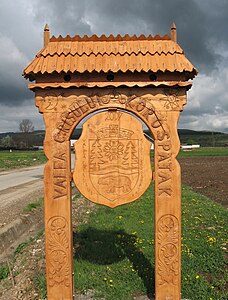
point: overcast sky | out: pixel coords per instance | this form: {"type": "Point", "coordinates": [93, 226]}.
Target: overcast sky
{"type": "Point", "coordinates": [202, 27]}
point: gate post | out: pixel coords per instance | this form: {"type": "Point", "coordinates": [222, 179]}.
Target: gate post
{"type": "Point", "coordinates": [57, 215]}
{"type": "Point", "coordinates": [167, 211]}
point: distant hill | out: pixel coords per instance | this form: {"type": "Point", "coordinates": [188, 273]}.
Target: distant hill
{"type": "Point", "coordinates": [36, 138]}
{"type": "Point", "coordinates": [203, 138]}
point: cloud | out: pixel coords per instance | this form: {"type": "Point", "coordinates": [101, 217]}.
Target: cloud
{"type": "Point", "coordinates": [64, 17]}
{"type": "Point", "coordinates": [152, 17]}
{"type": "Point", "coordinates": [207, 105]}
{"type": "Point", "coordinates": [208, 122]}
{"type": "Point", "coordinates": [12, 86]}
{"type": "Point", "coordinates": [10, 119]}
{"type": "Point", "coordinates": [201, 29]}
{"type": "Point", "coordinates": [194, 20]}
{"type": "Point", "coordinates": [208, 94]}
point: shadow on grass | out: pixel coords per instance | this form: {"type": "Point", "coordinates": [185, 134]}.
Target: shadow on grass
{"type": "Point", "coordinates": [107, 247]}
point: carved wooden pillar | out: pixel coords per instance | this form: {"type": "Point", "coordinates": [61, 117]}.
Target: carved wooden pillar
{"type": "Point", "coordinates": [168, 207]}
{"type": "Point", "coordinates": [167, 217]}
{"type": "Point", "coordinates": [57, 208]}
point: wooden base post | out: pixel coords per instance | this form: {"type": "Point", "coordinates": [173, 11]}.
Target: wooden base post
{"type": "Point", "coordinates": [58, 228]}
{"type": "Point", "coordinates": [167, 212]}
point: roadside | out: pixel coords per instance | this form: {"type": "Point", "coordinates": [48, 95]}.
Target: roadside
{"type": "Point", "coordinates": [18, 190]}
{"type": "Point", "coordinates": [14, 200]}
{"type": "Point", "coordinates": [19, 159]}
{"type": "Point", "coordinates": [26, 269]}
{"type": "Point", "coordinates": [206, 175]}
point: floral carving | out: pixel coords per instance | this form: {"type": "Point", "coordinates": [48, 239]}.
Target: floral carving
{"type": "Point", "coordinates": [58, 246]}
{"type": "Point", "coordinates": [113, 149]}
{"type": "Point", "coordinates": [172, 100]}
{"type": "Point", "coordinates": [168, 256]}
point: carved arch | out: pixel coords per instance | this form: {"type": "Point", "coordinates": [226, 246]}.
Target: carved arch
{"type": "Point", "coordinates": [161, 121]}
{"type": "Point", "coordinates": [81, 108]}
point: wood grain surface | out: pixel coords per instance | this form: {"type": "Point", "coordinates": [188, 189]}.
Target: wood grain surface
{"type": "Point", "coordinates": [112, 165]}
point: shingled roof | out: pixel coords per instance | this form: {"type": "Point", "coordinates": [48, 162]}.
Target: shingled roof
{"type": "Point", "coordinates": [105, 54]}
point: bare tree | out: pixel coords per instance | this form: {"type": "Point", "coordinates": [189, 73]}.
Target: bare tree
{"type": "Point", "coordinates": [26, 126]}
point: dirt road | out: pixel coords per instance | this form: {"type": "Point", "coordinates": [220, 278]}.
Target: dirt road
{"type": "Point", "coordinates": [17, 189]}
{"type": "Point", "coordinates": [13, 178]}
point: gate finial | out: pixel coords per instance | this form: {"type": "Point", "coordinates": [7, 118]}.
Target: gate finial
{"type": "Point", "coordinates": [46, 35]}
{"type": "Point", "coordinates": [174, 32]}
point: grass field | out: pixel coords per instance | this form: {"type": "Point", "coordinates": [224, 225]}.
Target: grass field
{"type": "Point", "coordinates": [115, 250]}
{"type": "Point", "coordinates": [19, 159]}
{"type": "Point", "coordinates": [207, 151]}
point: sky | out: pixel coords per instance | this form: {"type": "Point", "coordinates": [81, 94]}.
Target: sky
{"type": "Point", "coordinates": [201, 31]}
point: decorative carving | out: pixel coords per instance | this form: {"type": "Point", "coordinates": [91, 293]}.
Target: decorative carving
{"type": "Point", "coordinates": [116, 160]}
{"type": "Point", "coordinates": [111, 156]}
{"type": "Point", "coordinates": [168, 256]}
{"type": "Point", "coordinates": [164, 163]}
{"type": "Point", "coordinates": [51, 102]}
{"type": "Point", "coordinates": [59, 175]}
{"type": "Point", "coordinates": [114, 183]}
{"type": "Point", "coordinates": [83, 106]}
{"type": "Point", "coordinates": [172, 99]}
{"type": "Point", "coordinates": [58, 250]}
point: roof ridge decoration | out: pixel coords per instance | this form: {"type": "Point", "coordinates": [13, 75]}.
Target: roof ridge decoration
{"type": "Point", "coordinates": [111, 37]}
{"type": "Point", "coordinates": [115, 48]}
{"type": "Point", "coordinates": [110, 54]}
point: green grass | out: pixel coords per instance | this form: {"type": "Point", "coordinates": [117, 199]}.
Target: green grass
{"type": "Point", "coordinates": [4, 272]}
{"type": "Point", "coordinates": [114, 251]}
{"type": "Point", "coordinates": [16, 159]}
{"type": "Point", "coordinates": [33, 205]}
{"type": "Point", "coordinates": [22, 246]}
{"type": "Point", "coordinates": [207, 151]}
{"type": "Point", "coordinates": [40, 284]}
{"type": "Point", "coordinates": [26, 243]}
{"type": "Point", "coordinates": [204, 248]}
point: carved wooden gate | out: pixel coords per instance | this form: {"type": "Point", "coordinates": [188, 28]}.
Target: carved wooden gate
{"type": "Point", "coordinates": [147, 77]}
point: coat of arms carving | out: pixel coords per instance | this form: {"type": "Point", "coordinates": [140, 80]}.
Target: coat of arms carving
{"type": "Point", "coordinates": [114, 165]}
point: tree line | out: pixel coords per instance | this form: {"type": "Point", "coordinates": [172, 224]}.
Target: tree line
{"type": "Point", "coordinates": [26, 137]}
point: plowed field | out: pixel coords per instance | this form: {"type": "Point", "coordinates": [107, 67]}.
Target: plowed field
{"type": "Point", "coordinates": [207, 175]}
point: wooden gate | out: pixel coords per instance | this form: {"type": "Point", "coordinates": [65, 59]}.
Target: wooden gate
{"type": "Point", "coordinates": [128, 77]}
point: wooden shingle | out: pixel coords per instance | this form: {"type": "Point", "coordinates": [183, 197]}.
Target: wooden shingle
{"type": "Point", "coordinates": [115, 54]}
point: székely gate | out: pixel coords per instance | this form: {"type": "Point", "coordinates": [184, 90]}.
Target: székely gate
{"type": "Point", "coordinates": [147, 77]}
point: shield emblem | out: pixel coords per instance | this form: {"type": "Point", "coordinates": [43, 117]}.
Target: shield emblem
{"type": "Point", "coordinates": [112, 164]}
